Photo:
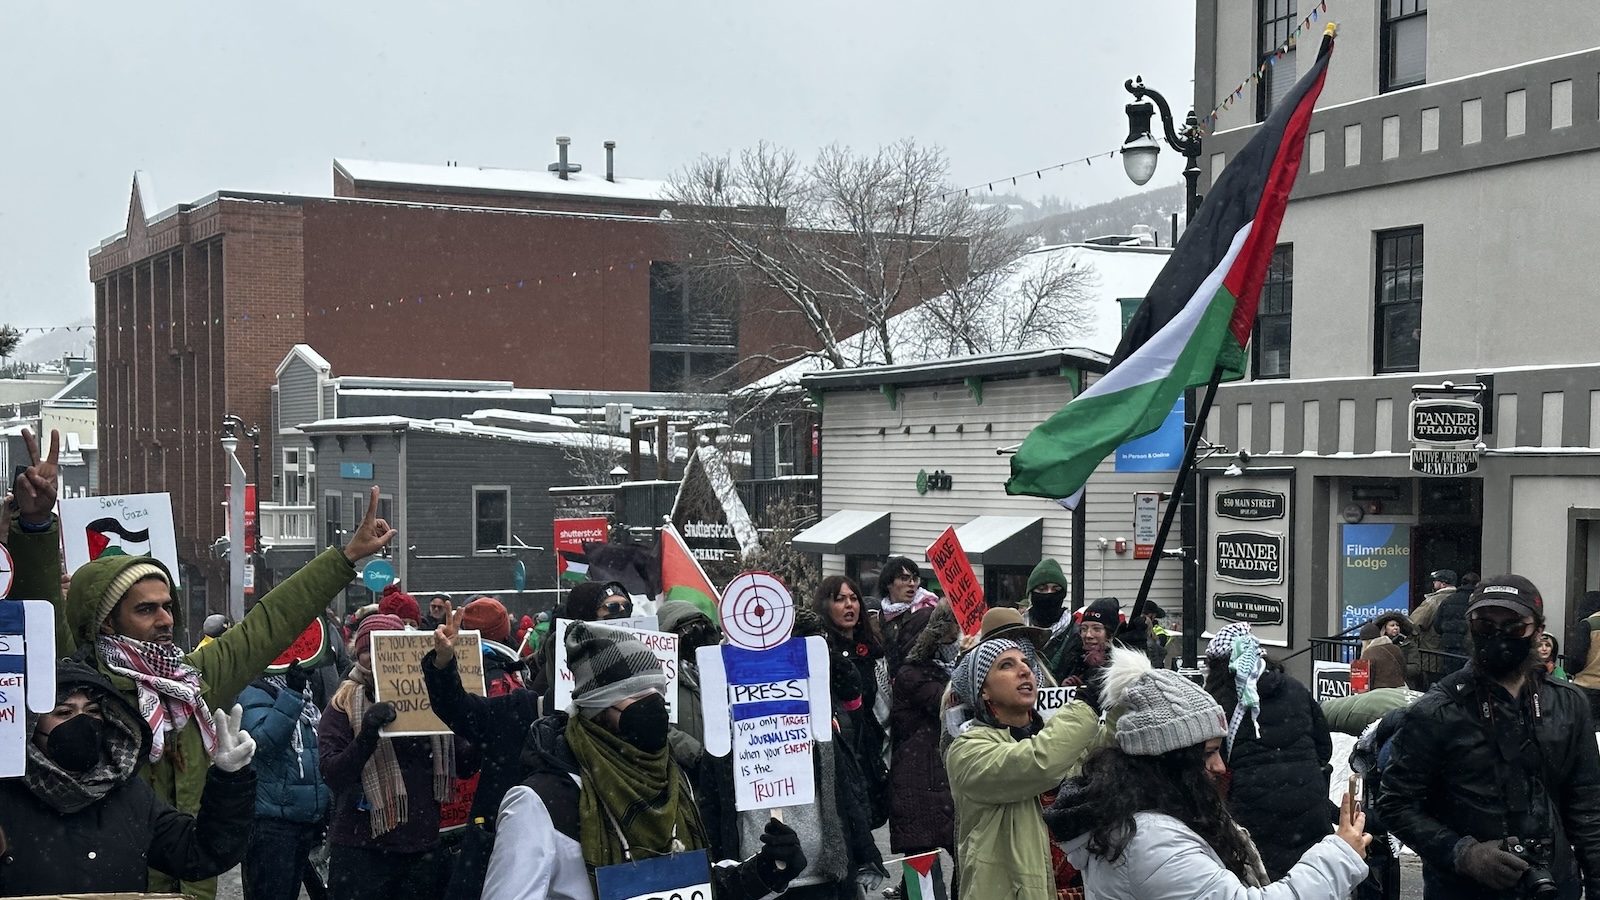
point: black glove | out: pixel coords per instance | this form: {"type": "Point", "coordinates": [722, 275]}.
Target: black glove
{"type": "Point", "coordinates": [779, 844]}
{"type": "Point", "coordinates": [1134, 634]}
{"type": "Point", "coordinates": [296, 678]}
{"type": "Point", "coordinates": [377, 716]}
{"type": "Point", "coordinates": [844, 679]}
{"type": "Point", "coordinates": [1485, 863]}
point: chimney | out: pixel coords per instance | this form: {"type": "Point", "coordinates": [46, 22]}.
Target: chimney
{"type": "Point", "coordinates": [562, 167]}
{"type": "Point", "coordinates": [611, 174]}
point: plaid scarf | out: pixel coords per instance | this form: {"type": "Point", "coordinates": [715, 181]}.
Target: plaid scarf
{"type": "Point", "coordinates": [168, 687]}
{"type": "Point", "coordinates": [381, 781]}
{"type": "Point", "coordinates": [68, 793]}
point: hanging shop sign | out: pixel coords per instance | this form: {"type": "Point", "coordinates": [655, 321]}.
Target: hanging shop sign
{"type": "Point", "coordinates": [1445, 423]}
{"type": "Point", "coordinates": [1248, 571]}
{"type": "Point", "coordinates": [1257, 609]}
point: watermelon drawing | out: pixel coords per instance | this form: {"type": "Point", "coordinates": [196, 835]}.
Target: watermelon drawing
{"type": "Point", "coordinates": [307, 649]}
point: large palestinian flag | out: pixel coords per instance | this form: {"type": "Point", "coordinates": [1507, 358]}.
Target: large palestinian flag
{"type": "Point", "coordinates": [1197, 316]}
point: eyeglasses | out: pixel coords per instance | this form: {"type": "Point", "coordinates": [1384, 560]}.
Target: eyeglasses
{"type": "Point", "coordinates": [1489, 627]}
{"type": "Point", "coordinates": [908, 578]}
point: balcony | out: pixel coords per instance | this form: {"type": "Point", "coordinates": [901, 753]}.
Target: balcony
{"type": "Point", "coordinates": [284, 527]}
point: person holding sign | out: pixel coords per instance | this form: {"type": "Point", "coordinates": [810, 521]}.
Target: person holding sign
{"type": "Point", "coordinates": [606, 801]}
{"type": "Point", "coordinates": [384, 834]}
{"type": "Point", "coordinates": [1005, 757]}
{"type": "Point", "coordinates": [120, 613]}
{"type": "Point", "coordinates": [1146, 818]}
{"type": "Point", "coordinates": [81, 820]}
{"type": "Point", "coordinates": [856, 648]}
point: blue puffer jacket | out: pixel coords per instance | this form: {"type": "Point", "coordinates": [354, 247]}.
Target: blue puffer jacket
{"type": "Point", "coordinates": [286, 787]}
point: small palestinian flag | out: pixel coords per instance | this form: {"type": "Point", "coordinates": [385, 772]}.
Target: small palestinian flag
{"type": "Point", "coordinates": [924, 877]}
{"type": "Point", "coordinates": [1196, 318]}
{"type": "Point", "coordinates": [572, 565]}
{"type": "Point", "coordinates": [109, 537]}
{"type": "Point", "coordinates": [681, 575]}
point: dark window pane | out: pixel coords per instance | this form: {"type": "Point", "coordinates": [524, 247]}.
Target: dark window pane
{"type": "Point", "coordinates": [491, 516]}
{"type": "Point", "coordinates": [1402, 336]}
{"type": "Point", "coordinates": [666, 370]}
{"type": "Point", "coordinates": [1406, 46]}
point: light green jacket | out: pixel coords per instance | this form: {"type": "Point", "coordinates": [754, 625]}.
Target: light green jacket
{"type": "Point", "coordinates": [996, 781]}
{"type": "Point", "coordinates": [226, 664]}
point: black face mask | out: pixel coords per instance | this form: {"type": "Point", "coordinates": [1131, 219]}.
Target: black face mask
{"type": "Point", "coordinates": [1048, 603]}
{"type": "Point", "coordinates": [1497, 655]}
{"type": "Point", "coordinates": [74, 745]}
{"type": "Point", "coordinates": [644, 723]}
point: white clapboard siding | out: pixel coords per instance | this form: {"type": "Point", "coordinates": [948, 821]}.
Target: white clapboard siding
{"type": "Point", "coordinates": [862, 469]}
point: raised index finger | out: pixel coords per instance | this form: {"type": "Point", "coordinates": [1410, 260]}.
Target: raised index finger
{"type": "Point", "coordinates": [454, 615]}
{"type": "Point", "coordinates": [372, 507]}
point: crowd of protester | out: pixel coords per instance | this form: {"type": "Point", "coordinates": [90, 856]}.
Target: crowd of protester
{"type": "Point", "coordinates": [160, 768]}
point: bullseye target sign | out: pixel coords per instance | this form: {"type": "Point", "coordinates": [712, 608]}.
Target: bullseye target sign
{"type": "Point", "coordinates": [757, 611]}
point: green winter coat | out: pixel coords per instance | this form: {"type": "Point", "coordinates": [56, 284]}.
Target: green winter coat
{"type": "Point", "coordinates": [226, 664]}
{"type": "Point", "coordinates": [996, 780]}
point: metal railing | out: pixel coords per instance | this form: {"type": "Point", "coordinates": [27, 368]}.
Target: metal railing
{"type": "Point", "coordinates": [288, 526]}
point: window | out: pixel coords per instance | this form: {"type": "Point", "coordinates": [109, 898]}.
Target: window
{"type": "Point", "coordinates": [291, 478]}
{"type": "Point", "coordinates": [333, 528]}
{"type": "Point", "coordinates": [783, 448]}
{"type": "Point", "coordinates": [1277, 18]}
{"type": "Point", "coordinates": [1269, 351]}
{"type": "Point", "coordinates": [1403, 56]}
{"type": "Point", "coordinates": [694, 339]}
{"type": "Point", "coordinates": [1398, 342]}
{"type": "Point", "coordinates": [491, 518]}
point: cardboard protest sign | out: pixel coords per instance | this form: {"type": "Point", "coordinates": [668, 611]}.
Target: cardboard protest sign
{"type": "Point", "coordinates": [663, 644]}
{"type": "Point", "coordinates": [767, 707]}
{"type": "Point", "coordinates": [397, 677]}
{"type": "Point", "coordinates": [27, 676]}
{"type": "Point", "coordinates": [125, 524]}
{"type": "Point", "coordinates": [958, 580]}
{"type": "Point", "coordinates": [1049, 701]}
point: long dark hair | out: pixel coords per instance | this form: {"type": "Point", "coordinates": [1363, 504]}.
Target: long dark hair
{"type": "Point", "coordinates": [1176, 783]}
{"type": "Point", "coordinates": [822, 605]}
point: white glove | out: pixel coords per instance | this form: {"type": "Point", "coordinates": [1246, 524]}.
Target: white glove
{"type": "Point", "coordinates": [235, 746]}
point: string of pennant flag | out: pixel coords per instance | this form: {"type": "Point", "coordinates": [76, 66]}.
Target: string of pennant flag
{"type": "Point", "coordinates": [1237, 94]}
{"type": "Point", "coordinates": [1035, 173]}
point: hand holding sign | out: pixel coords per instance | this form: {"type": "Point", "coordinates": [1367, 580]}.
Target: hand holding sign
{"type": "Point", "coordinates": [373, 535]}
{"type": "Point", "coordinates": [35, 489]}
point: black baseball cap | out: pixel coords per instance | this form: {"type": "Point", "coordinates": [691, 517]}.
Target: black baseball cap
{"type": "Point", "coordinates": [1511, 592]}
{"type": "Point", "coordinates": [1448, 576]}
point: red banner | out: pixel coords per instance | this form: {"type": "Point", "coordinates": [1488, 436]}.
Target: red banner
{"type": "Point", "coordinates": [959, 582]}
{"type": "Point", "coordinates": [571, 534]}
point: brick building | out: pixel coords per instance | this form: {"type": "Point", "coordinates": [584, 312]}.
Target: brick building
{"type": "Point", "coordinates": [545, 279]}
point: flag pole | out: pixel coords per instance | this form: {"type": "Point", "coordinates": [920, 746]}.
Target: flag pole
{"type": "Point", "coordinates": [1191, 604]}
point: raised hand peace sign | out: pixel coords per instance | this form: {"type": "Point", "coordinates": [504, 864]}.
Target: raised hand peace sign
{"type": "Point", "coordinates": [373, 534]}
{"type": "Point", "coordinates": [35, 490]}
{"type": "Point", "coordinates": [444, 636]}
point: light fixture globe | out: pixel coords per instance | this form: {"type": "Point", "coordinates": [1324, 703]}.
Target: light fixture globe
{"type": "Point", "coordinates": [1139, 158]}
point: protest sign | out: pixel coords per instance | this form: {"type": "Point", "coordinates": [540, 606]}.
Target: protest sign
{"type": "Point", "coordinates": [767, 708]}
{"type": "Point", "coordinates": [397, 677]}
{"type": "Point", "coordinates": [681, 876]}
{"type": "Point", "coordinates": [1049, 701]}
{"type": "Point", "coordinates": [126, 524]}
{"type": "Point", "coordinates": [662, 643]}
{"type": "Point", "coordinates": [27, 676]}
{"type": "Point", "coordinates": [960, 584]}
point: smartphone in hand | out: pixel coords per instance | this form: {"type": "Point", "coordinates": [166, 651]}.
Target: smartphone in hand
{"type": "Point", "coordinates": [1355, 789]}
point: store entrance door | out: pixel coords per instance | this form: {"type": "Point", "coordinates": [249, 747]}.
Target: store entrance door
{"type": "Point", "coordinates": [1449, 530]}
{"type": "Point", "coordinates": [1583, 554]}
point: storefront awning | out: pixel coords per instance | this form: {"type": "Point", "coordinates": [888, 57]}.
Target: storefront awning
{"type": "Point", "coordinates": [848, 532]}
{"type": "Point", "coordinates": [1003, 540]}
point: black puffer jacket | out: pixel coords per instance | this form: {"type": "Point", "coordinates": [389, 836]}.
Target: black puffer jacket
{"type": "Point", "coordinates": [1451, 625]}
{"type": "Point", "coordinates": [109, 845]}
{"type": "Point", "coordinates": [1444, 782]}
{"type": "Point", "coordinates": [1279, 785]}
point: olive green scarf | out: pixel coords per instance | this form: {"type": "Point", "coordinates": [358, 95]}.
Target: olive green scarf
{"type": "Point", "coordinates": [642, 794]}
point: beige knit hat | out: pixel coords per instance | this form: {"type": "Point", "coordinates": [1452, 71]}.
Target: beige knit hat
{"type": "Point", "coordinates": [124, 582]}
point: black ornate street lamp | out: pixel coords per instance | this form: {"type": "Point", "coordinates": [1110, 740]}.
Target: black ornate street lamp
{"type": "Point", "coordinates": [1140, 150]}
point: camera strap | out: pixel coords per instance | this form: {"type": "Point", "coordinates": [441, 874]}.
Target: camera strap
{"type": "Point", "coordinates": [1518, 748]}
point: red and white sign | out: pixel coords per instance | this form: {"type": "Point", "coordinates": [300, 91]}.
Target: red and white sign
{"type": "Point", "coordinates": [1146, 522]}
{"type": "Point", "coordinates": [572, 533]}
{"type": "Point", "coordinates": [958, 580]}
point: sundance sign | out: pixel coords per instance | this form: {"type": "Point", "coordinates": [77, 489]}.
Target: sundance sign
{"type": "Point", "coordinates": [1250, 557]}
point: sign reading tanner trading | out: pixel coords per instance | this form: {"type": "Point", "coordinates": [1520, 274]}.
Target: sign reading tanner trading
{"type": "Point", "coordinates": [1248, 574]}
{"type": "Point", "coordinates": [1444, 432]}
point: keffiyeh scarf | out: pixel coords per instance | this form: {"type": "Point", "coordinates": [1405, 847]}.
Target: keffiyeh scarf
{"type": "Point", "coordinates": [309, 717]}
{"type": "Point", "coordinates": [1246, 660]}
{"type": "Point", "coordinates": [168, 688]}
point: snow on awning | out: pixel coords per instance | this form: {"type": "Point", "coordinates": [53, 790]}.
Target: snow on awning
{"type": "Point", "coordinates": [848, 532]}
{"type": "Point", "coordinates": [1003, 540]}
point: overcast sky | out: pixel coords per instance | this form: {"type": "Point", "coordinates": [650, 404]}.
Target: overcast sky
{"type": "Point", "coordinates": [208, 96]}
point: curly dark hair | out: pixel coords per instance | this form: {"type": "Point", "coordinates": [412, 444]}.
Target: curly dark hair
{"type": "Point", "coordinates": [1118, 784]}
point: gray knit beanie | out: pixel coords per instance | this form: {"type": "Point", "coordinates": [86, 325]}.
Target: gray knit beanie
{"type": "Point", "coordinates": [1161, 710]}
{"type": "Point", "coordinates": [609, 666]}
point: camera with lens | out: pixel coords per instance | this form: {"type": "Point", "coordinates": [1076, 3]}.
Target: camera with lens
{"type": "Point", "coordinates": [1536, 883]}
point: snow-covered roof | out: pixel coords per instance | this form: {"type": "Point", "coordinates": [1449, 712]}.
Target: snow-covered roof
{"type": "Point", "coordinates": [526, 421]}
{"type": "Point", "coordinates": [1120, 272]}
{"type": "Point", "coordinates": [519, 393]}
{"type": "Point", "coordinates": [513, 181]}
{"type": "Point", "coordinates": [365, 424]}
